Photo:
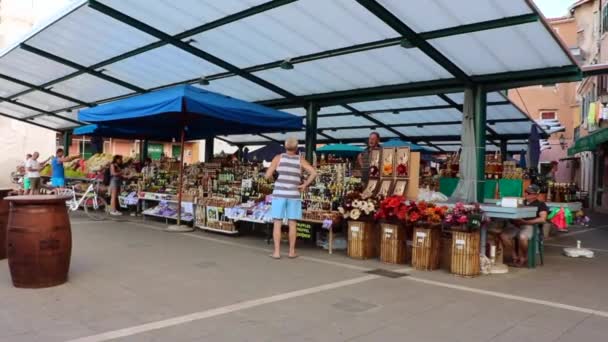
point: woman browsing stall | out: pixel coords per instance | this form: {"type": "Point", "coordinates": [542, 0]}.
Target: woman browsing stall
{"type": "Point", "coordinates": [115, 184]}
{"type": "Point", "coordinates": [286, 197]}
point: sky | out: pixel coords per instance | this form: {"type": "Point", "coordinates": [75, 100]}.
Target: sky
{"type": "Point", "coordinates": [554, 8]}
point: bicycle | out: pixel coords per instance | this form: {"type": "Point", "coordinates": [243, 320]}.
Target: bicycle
{"type": "Point", "coordinates": [94, 205]}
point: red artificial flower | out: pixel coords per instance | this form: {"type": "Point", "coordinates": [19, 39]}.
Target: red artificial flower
{"type": "Point", "coordinates": [393, 201]}
{"type": "Point", "coordinates": [401, 212]}
{"type": "Point", "coordinates": [402, 170]}
{"type": "Point", "coordinates": [414, 216]}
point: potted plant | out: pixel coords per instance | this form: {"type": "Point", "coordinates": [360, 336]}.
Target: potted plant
{"type": "Point", "coordinates": [465, 222]}
{"type": "Point", "coordinates": [362, 234]}
{"type": "Point", "coordinates": [393, 233]}
{"type": "Point", "coordinates": [426, 218]}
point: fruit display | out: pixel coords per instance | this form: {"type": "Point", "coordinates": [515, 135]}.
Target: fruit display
{"type": "Point", "coordinates": [99, 161]}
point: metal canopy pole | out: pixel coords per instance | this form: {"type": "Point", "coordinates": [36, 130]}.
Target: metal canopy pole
{"type": "Point", "coordinates": [312, 110]}
{"type": "Point", "coordinates": [179, 228]}
{"type": "Point", "coordinates": [480, 102]}
{"type": "Point", "coordinates": [67, 142]}
{"type": "Point", "coordinates": [143, 150]}
{"type": "Point", "coordinates": [503, 150]}
{"type": "Point", "coordinates": [208, 149]}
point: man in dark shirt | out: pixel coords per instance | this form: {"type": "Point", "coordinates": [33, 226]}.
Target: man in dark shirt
{"type": "Point", "coordinates": [524, 229]}
{"type": "Point", "coordinates": [363, 159]}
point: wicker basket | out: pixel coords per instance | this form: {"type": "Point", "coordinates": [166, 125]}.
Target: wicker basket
{"type": "Point", "coordinates": [362, 240]}
{"type": "Point", "coordinates": [465, 254]}
{"type": "Point", "coordinates": [393, 243]}
{"type": "Point", "coordinates": [425, 254]}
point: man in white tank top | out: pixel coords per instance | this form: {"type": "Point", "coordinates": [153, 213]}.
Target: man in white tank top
{"type": "Point", "coordinates": [286, 197]}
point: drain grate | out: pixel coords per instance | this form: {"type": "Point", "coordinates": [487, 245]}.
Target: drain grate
{"type": "Point", "coordinates": [387, 273]}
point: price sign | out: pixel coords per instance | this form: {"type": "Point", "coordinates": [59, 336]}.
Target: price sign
{"type": "Point", "coordinates": [304, 230]}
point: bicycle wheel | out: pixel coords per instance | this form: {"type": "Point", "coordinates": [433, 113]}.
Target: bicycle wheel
{"type": "Point", "coordinates": [96, 208]}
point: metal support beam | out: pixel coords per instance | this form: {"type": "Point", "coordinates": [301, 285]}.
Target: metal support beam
{"type": "Point", "coordinates": [406, 109]}
{"type": "Point", "coordinates": [448, 140]}
{"type": "Point", "coordinates": [312, 110]}
{"type": "Point", "coordinates": [82, 68]}
{"type": "Point", "coordinates": [28, 121]}
{"type": "Point", "coordinates": [41, 111]}
{"type": "Point", "coordinates": [143, 146]}
{"type": "Point", "coordinates": [205, 27]}
{"type": "Point", "coordinates": [43, 90]}
{"type": "Point", "coordinates": [461, 109]}
{"type": "Point", "coordinates": [414, 38]}
{"type": "Point", "coordinates": [440, 33]}
{"type": "Point", "coordinates": [480, 99]}
{"type": "Point", "coordinates": [67, 142]}
{"type": "Point", "coordinates": [503, 150]}
{"type": "Point", "coordinates": [109, 11]}
{"type": "Point", "coordinates": [320, 132]}
{"type": "Point", "coordinates": [209, 144]}
{"type": "Point", "coordinates": [269, 138]}
{"type": "Point", "coordinates": [379, 123]}
{"type": "Point", "coordinates": [423, 124]}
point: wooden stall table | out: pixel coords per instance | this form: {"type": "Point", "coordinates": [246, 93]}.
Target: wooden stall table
{"type": "Point", "coordinates": [39, 240]}
{"type": "Point", "coordinates": [498, 212]}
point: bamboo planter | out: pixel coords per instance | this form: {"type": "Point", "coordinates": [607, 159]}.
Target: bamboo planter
{"type": "Point", "coordinates": [393, 243]}
{"type": "Point", "coordinates": [425, 253]}
{"type": "Point", "coordinates": [445, 260]}
{"type": "Point", "coordinates": [362, 240]}
{"type": "Point", "coordinates": [465, 253]}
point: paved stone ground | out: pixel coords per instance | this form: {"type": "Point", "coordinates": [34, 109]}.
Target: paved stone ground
{"type": "Point", "coordinates": [130, 281]}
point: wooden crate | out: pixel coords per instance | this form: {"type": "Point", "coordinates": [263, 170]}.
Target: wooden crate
{"type": "Point", "coordinates": [393, 243]}
{"type": "Point", "coordinates": [362, 240]}
{"type": "Point", "coordinates": [425, 253]}
{"type": "Point", "coordinates": [465, 254]}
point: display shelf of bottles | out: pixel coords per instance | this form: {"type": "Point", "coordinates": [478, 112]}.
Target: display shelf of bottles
{"type": "Point", "coordinates": [562, 192]}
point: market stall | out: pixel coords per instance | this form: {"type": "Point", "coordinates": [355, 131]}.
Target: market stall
{"type": "Point", "coordinates": [186, 113]}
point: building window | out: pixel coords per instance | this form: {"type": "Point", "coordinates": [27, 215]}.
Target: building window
{"type": "Point", "coordinates": [548, 115]}
{"type": "Point", "coordinates": [604, 19]}
{"type": "Point", "coordinates": [602, 85]}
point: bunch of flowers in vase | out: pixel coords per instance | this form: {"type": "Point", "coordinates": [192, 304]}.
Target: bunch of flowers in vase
{"type": "Point", "coordinates": [358, 209]}
{"type": "Point", "coordinates": [392, 208]}
{"type": "Point", "coordinates": [465, 218]}
{"type": "Point", "coordinates": [425, 214]}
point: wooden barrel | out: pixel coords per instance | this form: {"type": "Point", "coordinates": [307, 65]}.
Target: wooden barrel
{"type": "Point", "coordinates": [3, 221]}
{"type": "Point", "coordinates": [393, 243]}
{"type": "Point", "coordinates": [425, 254]}
{"type": "Point", "coordinates": [362, 240]}
{"type": "Point", "coordinates": [465, 254]}
{"type": "Point", "coordinates": [39, 240]}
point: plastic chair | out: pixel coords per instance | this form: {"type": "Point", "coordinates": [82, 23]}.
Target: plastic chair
{"type": "Point", "coordinates": [536, 245]}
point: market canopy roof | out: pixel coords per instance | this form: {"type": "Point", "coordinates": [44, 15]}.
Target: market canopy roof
{"type": "Point", "coordinates": [281, 53]}
{"type": "Point", "coordinates": [589, 142]}
{"type": "Point", "coordinates": [428, 121]}
{"type": "Point", "coordinates": [162, 115]}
